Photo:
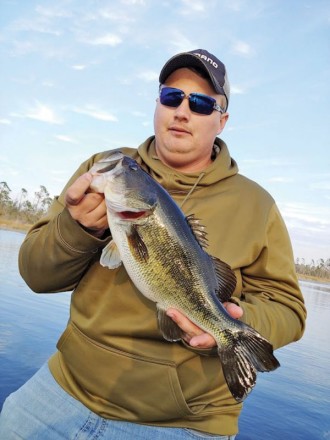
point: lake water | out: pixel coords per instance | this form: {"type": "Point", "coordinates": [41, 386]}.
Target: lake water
{"type": "Point", "coordinates": [291, 403]}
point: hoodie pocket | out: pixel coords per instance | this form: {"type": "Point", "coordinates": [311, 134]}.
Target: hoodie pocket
{"type": "Point", "coordinates": [121, 384]}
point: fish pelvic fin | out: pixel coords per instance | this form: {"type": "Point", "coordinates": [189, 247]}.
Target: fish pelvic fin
{"type": "Point", "coordinates": [170, 330]}
{"type": "Point", "coordinates": [245, 353]}
{"type": "Point", "coordinates": [137, 245]}
{"type": "Point", "coordinates": [110, 256]}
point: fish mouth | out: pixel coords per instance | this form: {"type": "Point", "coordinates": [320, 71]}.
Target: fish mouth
{"type": "Point", "coordinates": [133, 215]}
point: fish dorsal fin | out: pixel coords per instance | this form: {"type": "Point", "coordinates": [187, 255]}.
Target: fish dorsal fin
{"type": "Point", "coordinates": [226, 279]}
{"type": "Point", "coordinates": [198, 230]}
{"type": "Point", "coordinates": [110, 256]}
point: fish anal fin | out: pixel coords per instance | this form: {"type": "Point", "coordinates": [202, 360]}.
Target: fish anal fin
{"type": "Point", "coordinates": [226, 279]}
{"type": "Point", "coordinates": [198, 230]}
{"type": "Point", "coordinates": [137, 245]}
{"type": "Point", "coordinates": [170, 330]}
{"type": "Point", "coordinates": [245, 353]}
{"type": "Point", "coordinates": [110, 256]}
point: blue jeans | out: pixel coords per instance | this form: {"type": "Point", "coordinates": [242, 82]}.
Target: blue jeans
{"type": "Point", "coordinates": [42, 410]}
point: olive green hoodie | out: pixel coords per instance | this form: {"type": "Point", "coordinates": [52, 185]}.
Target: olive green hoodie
{"type": "Point", "coordinates": [112, 356]}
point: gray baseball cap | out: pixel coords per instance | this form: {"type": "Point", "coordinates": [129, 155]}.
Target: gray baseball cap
{"type": "Point", "coordinates": [215, 69]}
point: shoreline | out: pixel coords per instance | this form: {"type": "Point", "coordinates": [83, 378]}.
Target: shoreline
{"type": "Point", "coordinates": [314, 279]}
{"type": "Point", "coordinates": [15, 226]}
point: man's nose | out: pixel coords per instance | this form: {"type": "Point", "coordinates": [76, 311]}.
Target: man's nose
{"type": "Point", "coordinates": [183, 110]}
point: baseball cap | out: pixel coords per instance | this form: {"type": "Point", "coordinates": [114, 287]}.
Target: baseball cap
{"type": "Point", "coordinates": [215, 69]}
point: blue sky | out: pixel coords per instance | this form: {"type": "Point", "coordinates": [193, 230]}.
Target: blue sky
{"type": "Point", "coordinates": [78, 77]}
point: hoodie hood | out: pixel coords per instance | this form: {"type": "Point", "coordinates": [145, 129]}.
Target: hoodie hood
{"type": "Point", "coordinates": [221, 168]}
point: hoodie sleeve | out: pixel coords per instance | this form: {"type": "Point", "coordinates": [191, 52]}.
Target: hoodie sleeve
{"type": "Point", "coordinates": [271, 298]}
{"type": "Point", "coordinates": [57, 250]}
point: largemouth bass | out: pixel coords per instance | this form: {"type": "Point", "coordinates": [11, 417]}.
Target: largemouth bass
{"type": "Point", "coordinates": [164, 254]}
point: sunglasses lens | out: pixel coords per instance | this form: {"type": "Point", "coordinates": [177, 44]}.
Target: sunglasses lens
{"type": "Point", "coordinates": [201, 103]}
{"type": "Point", "coordinates": [171, 97]}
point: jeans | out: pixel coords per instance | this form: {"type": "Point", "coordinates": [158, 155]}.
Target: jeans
{"type": "Point", "coordinates": [42, 410]}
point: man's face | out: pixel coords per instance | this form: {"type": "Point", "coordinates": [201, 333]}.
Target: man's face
{"type": "Point", "coordinates": [184, 139]}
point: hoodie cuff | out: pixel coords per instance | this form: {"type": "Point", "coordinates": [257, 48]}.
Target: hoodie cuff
{"type": "Point", "coordinates": [76, 237]}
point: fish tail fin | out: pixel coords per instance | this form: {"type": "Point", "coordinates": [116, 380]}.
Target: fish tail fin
{"type": "Point", "coordinates": [244, 353]}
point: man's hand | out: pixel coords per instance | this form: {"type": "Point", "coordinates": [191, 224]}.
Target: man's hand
{"type": "Point", "coordinates": [195, 336]}
{"type": "Point", "coordinates": [87, 208]}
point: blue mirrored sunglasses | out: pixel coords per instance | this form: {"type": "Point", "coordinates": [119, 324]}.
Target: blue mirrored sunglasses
{"type": "Point", "coordinates": [198, 103]}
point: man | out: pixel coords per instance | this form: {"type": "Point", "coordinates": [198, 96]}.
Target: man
{"type": "Point", "coordinates": [114, 376]}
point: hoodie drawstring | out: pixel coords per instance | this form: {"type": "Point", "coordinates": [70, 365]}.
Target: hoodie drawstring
{"type": "Point", "coordinates": [200, 177]}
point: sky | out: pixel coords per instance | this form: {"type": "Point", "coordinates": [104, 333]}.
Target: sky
{"type": "Point", "coordinates": [80, 77]}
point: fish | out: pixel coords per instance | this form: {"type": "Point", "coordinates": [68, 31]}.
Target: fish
{"type": "Point", "coordinates": [165, 254]}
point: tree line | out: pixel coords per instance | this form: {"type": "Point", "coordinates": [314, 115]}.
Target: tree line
{"type": "Point", "coordinates": [23, 209]}
{"type": "Point", "coordinates": [318, 269]}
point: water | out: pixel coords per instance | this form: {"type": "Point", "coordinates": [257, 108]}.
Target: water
{"type": "Point", "coordinates": [291, 403]}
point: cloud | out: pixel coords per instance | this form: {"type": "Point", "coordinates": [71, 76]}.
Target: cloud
{"type": "Point", "coordinates": [266, 162]}
{"type": "Point", "coordinates": [308, 216]}
{"type": "Point", "coordinates": [281, 179]}
{"type": "Point", "coordinates": [65, 138]}
{"type": "Point", "coordinates": [139, 114]}
{"type": "Point", "coordinates": [180, 42]}
{"type": "Point", "coordinates": [242, 48]}
{"type": "Point", "coordinates": [234, 5]}
{"type": "Point", "coordinates": [192, 6]}
{"type": "Point", "coordinates": [40, 26]}
{"type": "Point", "coordinates": [53, 12]}
{"type": "Point", "coordinates": [43, 113]}
{"type": "Point", "coordinates": [105, 40]}
{"type": "Point", "coordinates": [95, 113]}
{"type": "Point", "coordinates": [5, 121]}
{"type": "Point", "coordinates": [237, 90]}
{"type": "Point", "coordinates": [117, 16]}
{"type": "Point", "coordinates": [309, 228]}
{"type": "Point", "coordinates": [133, 2]}
{"type": "Point", "coordinates": [47, 83]}
{"type": "Point", "coordinates": [149, 76]}
{"type": "Point", "coordinates": [79, 67]}
{"type": "Point", "coordinates": [322, 185]}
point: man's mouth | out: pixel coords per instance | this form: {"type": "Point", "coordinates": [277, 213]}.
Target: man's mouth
{"type": "Point", "coordinates": [178, 129]}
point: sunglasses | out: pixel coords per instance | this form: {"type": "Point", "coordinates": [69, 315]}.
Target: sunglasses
{"type": "Point", "coordinates": [198, 103]}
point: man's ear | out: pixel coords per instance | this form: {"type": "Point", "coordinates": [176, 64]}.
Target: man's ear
{"type": "Point", "coordinates": [223, 121]}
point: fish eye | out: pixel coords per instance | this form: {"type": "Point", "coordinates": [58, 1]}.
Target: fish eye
{"type": "Point", "coordinates": [133, 167]}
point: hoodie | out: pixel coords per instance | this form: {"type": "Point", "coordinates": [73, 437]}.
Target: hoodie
{"type": "Point", "coordinates": [111, 356]}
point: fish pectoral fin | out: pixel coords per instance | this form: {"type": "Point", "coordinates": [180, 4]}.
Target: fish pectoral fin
{"type": "Point", "coordinates": [226, 279]}
{"type": "Point", "coordinates": [110, 256]}
{"type": "Point", "coordinates": [137, 245]}
{"type": "Point", "coordinates": [245, 353]}
{"type": "Point", "coordinates": [170, 330]}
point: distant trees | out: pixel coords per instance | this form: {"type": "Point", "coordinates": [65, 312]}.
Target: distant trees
{"type": "Point", "coordinates": [21, 209]}
{"type": "Point", "coordinates": [318, 269]}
